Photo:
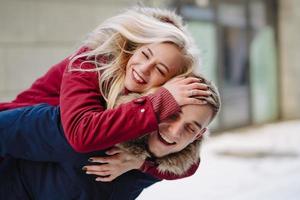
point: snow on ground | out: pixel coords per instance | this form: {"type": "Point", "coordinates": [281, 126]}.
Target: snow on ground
{"type": "Point", "coordinates": [259, 163]}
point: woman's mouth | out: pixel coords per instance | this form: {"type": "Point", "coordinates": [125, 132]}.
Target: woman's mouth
{"type": "Point", "coordinates": [165, 140]}
{"type": "Point", "coordinates": [137, 78]}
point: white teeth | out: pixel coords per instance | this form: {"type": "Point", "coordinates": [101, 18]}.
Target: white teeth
{"type": "Point", "coordinates": [166, 139]}
{"type": "Point", "coordinates": [137, 77]}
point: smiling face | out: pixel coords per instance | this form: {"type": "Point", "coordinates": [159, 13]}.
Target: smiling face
{"type": "Point", "coordinates": [152, 65]}
{"type": "Point", "coordinates": [180, 130]}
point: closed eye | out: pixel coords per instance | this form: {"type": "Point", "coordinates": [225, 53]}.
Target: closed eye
{"type": "Point", "coordinates": [145, 54]}
{"type": "Point", "coordinates": [189, 128]}
{"type": "Point", "coordinates": [160, 71]}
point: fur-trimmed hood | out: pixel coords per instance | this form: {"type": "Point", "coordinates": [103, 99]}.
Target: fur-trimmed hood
{"type": "Point", "coordinates": [176, 163]}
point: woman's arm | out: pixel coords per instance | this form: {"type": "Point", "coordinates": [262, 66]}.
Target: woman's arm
{"type": "Point", "coordinates": [89, 126]}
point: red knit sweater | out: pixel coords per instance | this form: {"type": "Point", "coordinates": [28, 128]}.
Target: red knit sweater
{"type": "Point", "coordinates": [87, 124]}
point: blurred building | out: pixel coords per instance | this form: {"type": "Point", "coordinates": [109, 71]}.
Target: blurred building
{"type": "Point", "coordinates": [250, 48]}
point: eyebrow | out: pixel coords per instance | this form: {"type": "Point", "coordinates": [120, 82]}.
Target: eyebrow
{"type": "Point", "coordinates": [194, 122]}
{"type": "Point", "coordinates": [165, 66]}
{"type": "Point", "coordinates": [197, 124]}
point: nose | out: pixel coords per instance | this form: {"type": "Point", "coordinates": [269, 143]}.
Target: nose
{"type": "Point", "coordinates": [146, 67]}
{"type": "Point", "coordinates": [174, 130]}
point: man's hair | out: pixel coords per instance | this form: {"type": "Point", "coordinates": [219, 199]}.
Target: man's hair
{"type": "Point", "coordinates": [214, 100]}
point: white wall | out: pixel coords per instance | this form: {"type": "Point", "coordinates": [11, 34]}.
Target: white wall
{"type": "Point", "coordinates": [35, 34]}
{"type": "Point", "coordinates": [289, 49]}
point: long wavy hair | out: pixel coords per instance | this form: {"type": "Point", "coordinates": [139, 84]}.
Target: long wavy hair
{"type": "Point", "coordinates": [117, 38]}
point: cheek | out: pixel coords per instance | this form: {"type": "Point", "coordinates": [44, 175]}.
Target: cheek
{"type": "Point", "coordinates": [151, 140]}
{"type": "Point", "coordinates": [186, 141]}
{"type": "Point", "coordinates": [157, 80]}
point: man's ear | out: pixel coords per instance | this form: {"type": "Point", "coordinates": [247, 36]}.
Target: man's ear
{"type": "Point", "coordinates": [200, 134]}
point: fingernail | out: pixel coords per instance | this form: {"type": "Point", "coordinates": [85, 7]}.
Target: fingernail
{"type": "Point", "coordinates": [90, 160]}
{"type": "Point", "coordinates": [88, 172]}
{"type": "Point", "coordinates": [97, 179]}
{"type": "Point", "coordinates": [84, 168]}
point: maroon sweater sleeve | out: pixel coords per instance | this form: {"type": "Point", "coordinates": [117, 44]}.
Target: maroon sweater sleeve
{"type": "Point", "coordinates": [150, 168]}
{"type": "Point", "coordinates": [89, 126]}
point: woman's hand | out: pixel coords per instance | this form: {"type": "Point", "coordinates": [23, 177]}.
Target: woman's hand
{"type": "Point", "coordinates": [186, 90]}
{"type": "Point", "coordinates": [114, 165]}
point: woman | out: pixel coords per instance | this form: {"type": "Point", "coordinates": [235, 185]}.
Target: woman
{"type": "Point", "coordinates": [122, 55]}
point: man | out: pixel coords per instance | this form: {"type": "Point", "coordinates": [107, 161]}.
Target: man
{"type": "Point", "coordinates": [42, 165]}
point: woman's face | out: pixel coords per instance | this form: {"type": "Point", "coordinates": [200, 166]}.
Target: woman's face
{"type": "Point", "coordinates": [152, 65]}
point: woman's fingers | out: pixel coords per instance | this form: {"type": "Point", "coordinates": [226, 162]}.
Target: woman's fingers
{"type": "Point", "coordinates": [108, 159]}
{"type": "Point", "coordinates": [198, 93]}
{"type": "Point", "coordinates": [113, 150]}
{"type": "Point", "coordinates": [114, 166]}
{"type": "Point", "coordinates": [105, 179]}
{"type": "Point", "coordinates": [184, 88]}
{"type": "Point", "coordinates": [99, 173]}
{"type": "Point", "coordinates": [104, 167]}
{"type": "Point", "coordinates": [199, 86]}
{"type": "Point", "coordinates": [196, 101]}
{"type": "Point", "coordinates": [99, 159]}
{"type": "Point", "coordinates": [190, 80]}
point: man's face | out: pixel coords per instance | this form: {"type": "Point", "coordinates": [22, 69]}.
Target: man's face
{"type": "Point", "coordinates": [179, 130]}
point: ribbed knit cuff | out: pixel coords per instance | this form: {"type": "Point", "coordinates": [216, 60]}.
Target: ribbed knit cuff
{"type": "Point", "coordinates": [164, 104]}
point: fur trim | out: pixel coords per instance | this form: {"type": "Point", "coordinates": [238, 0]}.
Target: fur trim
{"type": "Point", "coordinates": [179, 163]}
{"type": "Point", "coordinates": [176, 163]}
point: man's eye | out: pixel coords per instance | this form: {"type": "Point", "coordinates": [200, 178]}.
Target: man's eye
{"type": "Point", "coordinates": [189, 128]}
{"type": "Point", "coordinates": [145, 54]}
{"type": "Point", "coordinates": [174, 117]}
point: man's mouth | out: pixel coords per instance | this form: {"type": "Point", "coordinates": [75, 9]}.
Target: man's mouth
{"type": "Point", "coordinates": [165, 140]}
{"type": "Point", "coordinates": [137, 78]}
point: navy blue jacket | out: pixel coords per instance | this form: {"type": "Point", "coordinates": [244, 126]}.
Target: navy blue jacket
{"type": "Point", "coordinates": [33, 134]}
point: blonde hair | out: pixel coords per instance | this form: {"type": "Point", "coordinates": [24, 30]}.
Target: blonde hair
{"type": "Point", "coordinates": [118, 37]}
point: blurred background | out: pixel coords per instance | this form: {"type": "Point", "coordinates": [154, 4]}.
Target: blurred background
{"type": "Point", "coordinates": [249, 48]}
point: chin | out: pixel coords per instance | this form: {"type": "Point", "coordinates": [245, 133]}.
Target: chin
{"type": "Point", "coordinates": [157, 154]}
{"type": "Point", "coordinates": [132, 88]}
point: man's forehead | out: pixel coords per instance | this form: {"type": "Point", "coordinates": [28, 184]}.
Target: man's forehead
{"type": "Point", "coordinates": [196, 114]}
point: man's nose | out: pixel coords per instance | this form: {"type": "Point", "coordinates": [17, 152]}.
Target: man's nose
{"type": "Point", "coordinates": [174, 131]}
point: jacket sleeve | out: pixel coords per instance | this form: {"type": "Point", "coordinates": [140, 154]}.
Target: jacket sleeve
{"type": "Point", "coordinates": [89, 126]}
{"type": "Point", "coordinates": [150, 168]}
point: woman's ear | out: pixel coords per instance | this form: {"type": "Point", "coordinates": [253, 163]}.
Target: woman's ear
{"type": "Point", "coordinates": [200, 134]}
